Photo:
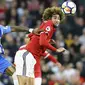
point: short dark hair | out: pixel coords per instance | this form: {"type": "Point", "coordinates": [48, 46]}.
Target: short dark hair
{"type": "Point", "coordinates": [49, 12]}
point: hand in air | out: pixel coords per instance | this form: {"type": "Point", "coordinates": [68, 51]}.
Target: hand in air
{"type": "Point", "coordinates": [60, 50]}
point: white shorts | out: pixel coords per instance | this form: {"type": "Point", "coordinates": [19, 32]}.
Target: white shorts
{"type": "Point", "coordinates": [38, 81]}
{"type": "Point", "coordinates": [24, 62]}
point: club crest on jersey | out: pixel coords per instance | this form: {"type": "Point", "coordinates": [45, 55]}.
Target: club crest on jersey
{"type": "Point", "coordinates": [48, 28]}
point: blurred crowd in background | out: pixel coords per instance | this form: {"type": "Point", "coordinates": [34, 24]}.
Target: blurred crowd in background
{"type": "Point", "coordinates": [70, 34]}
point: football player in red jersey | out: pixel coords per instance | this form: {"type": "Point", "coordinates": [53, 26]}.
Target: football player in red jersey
{"type": "Point", "coordinates": [39, 43]}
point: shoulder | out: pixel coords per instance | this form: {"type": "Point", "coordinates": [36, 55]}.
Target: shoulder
{"type": "Point", "coordinates": [49, 22]}
{"type": "Point", "coordinates": [48, 25]}
{"type": "Point", "coordinates": [45, 23]}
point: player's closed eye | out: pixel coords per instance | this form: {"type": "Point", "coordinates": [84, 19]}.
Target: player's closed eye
{"type": "Point", "coordinates": [56, 17]}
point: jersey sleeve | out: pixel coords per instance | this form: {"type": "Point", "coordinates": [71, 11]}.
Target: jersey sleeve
{"type": "Point", "coordinates": [48, 26]}
{"type": "Point", "coordinates": [4, 29]}
{"type": "Point", "coordinates": [44, 42]}
{"type": "Point", "coordinates": [50, 57]}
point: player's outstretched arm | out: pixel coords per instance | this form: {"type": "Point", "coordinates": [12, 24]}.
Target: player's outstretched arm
{"type": "Point", "coordinates": [44, 42]}
{"type": "Point", "coordinates": [51, 58]}
{"type": "Point", "coordinates": [8, 29]}
{"type": "Point", "coordinates": [19, 29]}
{"type": "Point", "coordinates": [26, 29]}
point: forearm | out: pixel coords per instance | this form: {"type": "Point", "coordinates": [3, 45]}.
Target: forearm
{"type": "Point", "coordinates": [19, 29]}
{"type": "Point", "coordinates": [50, 57]}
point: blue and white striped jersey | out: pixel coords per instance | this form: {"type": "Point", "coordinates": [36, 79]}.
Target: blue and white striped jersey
{"type": "Point", "coordinates": [3, 30]}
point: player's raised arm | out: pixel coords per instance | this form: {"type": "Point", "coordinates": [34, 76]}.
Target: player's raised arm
{"type": "Point", "coordinates": [8, 29]}
{"type": "Point", "coordinates": [26, 29]}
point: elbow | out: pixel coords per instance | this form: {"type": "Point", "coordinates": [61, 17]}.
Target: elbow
{"type": "Point", "coordinates": [42, 43]}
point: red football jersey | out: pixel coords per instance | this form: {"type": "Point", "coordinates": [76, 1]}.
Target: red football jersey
{"type": "Point", "coordinates": [36, 46]}
{"type": "Point", "coordinates": [48, 28]}
{"type": "Point", "coordinates": [39, 43]}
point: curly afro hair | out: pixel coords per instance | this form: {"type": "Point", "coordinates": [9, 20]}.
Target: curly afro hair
{"type": "Point", "coordinates": [49, 12]}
